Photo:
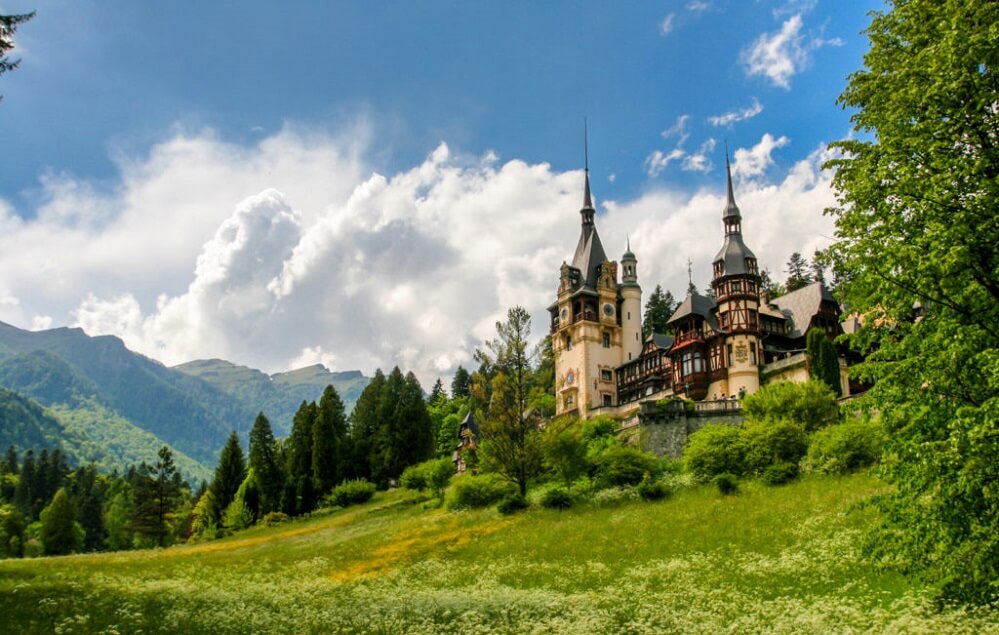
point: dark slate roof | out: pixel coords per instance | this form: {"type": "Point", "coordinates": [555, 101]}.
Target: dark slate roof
{"type": "Point", "coordinates": [733, 255]}
{"type": "Point", "coordinates": [696, 304]}
{"type": "Point", "coordinates": [589, 255]}
{"type": "Point", "coordinates": [801, 305]}
{"type": "Point", "coordinates": [470, 423]}
{"type": "Point", "coordinates": [731, 209]}
{"type": "Point", "coordinates": [661, 340]}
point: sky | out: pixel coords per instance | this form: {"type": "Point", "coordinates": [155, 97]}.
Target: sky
{"type": "Point", "coordinates": [368, 185]}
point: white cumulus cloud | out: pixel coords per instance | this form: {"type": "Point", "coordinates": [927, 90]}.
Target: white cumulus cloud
{"type": "Point", "coordinates": [781, 55]}
{"type": "Point", "coordinates": [734, 116]}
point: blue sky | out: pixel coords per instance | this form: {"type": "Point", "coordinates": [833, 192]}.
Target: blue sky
{"type": "Point", "coordinates": [179, 174]}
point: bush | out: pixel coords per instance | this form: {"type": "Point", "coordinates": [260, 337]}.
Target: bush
{"type": "Point", "coordinates": [624, 465]}
{"type": "Point", "coordinates": [769, 442]}
{"type": "Point", "coordinates": [511, 504]}
{"type": "Point", "coordinates": [275, 518]}
{"type": "Point", "coordinates": [556, 498]}
{"type": "Point", "coordinates": [478, 491]}
{"type": "Point", "coordinates": [414, 477]}
{"type": "Point", "coordinates": [651, 490]}
{"type": "Point", "coordinates": [434, 474]}
{"type": "Point", "coordinates": [351, 493]}
{"type": "Point", "coordinates": [780, 473]}
{"type": "Point", "coordinates": [727, 484]}
{"type": "Point", "coordinates": [715, 449]}
{"type": "Point", "coordinates": [846, 447]}
{"type": "Point", "coordinates": [812, 405]}
{"type": "Point", "coordinates": [614, 496]}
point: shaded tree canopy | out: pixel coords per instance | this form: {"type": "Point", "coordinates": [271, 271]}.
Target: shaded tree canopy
{"type": "Point", "coordinates": [918, 190]}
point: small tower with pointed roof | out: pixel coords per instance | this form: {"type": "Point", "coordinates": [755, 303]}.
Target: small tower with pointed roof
{"type": "Point", "coordinates": [594, 320]}
{"type": "Point", "coordinates": [736, 283]}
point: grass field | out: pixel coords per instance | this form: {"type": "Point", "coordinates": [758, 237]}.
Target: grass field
{"type": "Point", "coordinates": [769, 560]}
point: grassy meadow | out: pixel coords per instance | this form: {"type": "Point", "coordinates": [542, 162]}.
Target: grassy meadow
{"type": "Point", "coordinates": [768, 560]}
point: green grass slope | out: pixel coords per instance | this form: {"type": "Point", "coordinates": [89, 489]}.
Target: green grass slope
{"type": "Point", "coordinates": [780, 560]}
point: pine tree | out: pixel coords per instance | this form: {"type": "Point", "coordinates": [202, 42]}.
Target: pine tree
{"type": "Point", "coordinates": [118, 506]}
{"type": "Point", "coordinates": [416, 442]}
{"type": "Point", "coordinates": [229, 475]}
{"type": "Point", "coordinates": [299, 496]}
{"type": "Point", "coordinates": [8, 26]}
{"type": "Point", "coordinates": [384, 455]}
{"type": "Point", "coordinates": [459, 384]}
{"type": "Point", "coordinates": [265, 464]}
{"type": "Point", "coordinates": [797, 273]}
{"type": "Point", "coordinates": [437, 392]}
{"type": "Point", "coordinates": [658, 310]}
{"type": "Point", "coordinates": [770, 288]}
{"type": "Point", "coordinates": [329, 440]}
{"type": "Point", "coordinates": [9, 466]}
{"type": "Point", "coordinates": [61, 534]}
{"type": "Point", "coordinates": [364, 424]}
{"type": "Point", "coordinates": [156, 495]}
{"type": "Point", "coordinates": [23, 494]}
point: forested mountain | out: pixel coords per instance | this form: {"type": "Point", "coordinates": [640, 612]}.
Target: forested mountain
{"type": "Point", "coordinates": [105, 404]}
{"type": "Point", "coordinates": [279, 395]}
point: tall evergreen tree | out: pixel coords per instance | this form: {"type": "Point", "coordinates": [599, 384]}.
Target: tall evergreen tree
{"type": "Point", "coordinates": [658, 310]}
{"type": "Point", "coordinates": [459, 384]}
{"type": "Point", "coordinates": [437, 392]}
{"type": "Point", "coordinates": [823, 360]}
{"type": "Point", "coordinates": [24, 496]}
{"type": "Point", "coordinates": [416, 438]}
{"type": "Point", "coordinates": [769, 287]}
{"type": "Point", "coordinates": [10, 463]}
{"type": "Point", "coordinates": [798, 275]}
{"type": "Point", "coordinates": [88, 489]}
{"type": "Point", "coordinates": [364, 425]}
{"type": "Point", "coordinates": [265, 464]}
{"type": "Point", "coordinates": [384, 454]}
{"type": "Point", "coordinates": [118, 506]}
{"type": "Point", "coordinates": [229, 475]}
{"type": "Point", "coordinates": [61, 534]}
{"type": "Point", "coordinates": [9, 466]}
{"type": "Point", "coordinates": [156, 496]}
{"type": "Point", "coordinates": [329, 442]}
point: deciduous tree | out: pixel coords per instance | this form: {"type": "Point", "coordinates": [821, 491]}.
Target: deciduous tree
{"type": "Point", "coordinates": [918, 194]}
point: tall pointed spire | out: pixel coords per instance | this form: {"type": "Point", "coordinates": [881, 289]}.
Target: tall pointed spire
{"type": "Point", "coordinates": [587, 199]}
{"type": "Point", "coordinates": [587, 211]}
{"type": "Point", "coordinates": [731, 209]}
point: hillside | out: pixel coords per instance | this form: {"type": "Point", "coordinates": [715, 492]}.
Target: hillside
{"type": "Point", "coordinates": [24, 423]}
{"type": "Point", "coordinates": [775, 560]}
{"type": "Point", "coordinates": [279, 395]}
{"type": "Point", "coordinates": [64, 366]}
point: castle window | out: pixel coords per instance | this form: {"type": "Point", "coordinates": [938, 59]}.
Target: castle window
{"type": "Point", "coordinates": [752, 354]}
{"type": "Point", "coordinates": [606, 375]}
{"type": "Point", "coordinates": [736, 286]}
{"type": "Point", "coordinates": [729, 354]}
{"type": "Point", "coordinates": [606, 340]}
{"type": "Point", "coordinates": [568, 342]}
{"type": "Point", "coordinates": [568, 401]}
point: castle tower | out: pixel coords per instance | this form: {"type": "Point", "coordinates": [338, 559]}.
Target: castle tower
{"type": "Point", "coordinates": [736, 283]}
{"type": "Point", "coordinates": [586, 323]}
{"type": "Point", "coordinates": [631, 306]}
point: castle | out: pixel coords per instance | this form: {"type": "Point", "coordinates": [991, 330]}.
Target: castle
{"type": "Point", "coordinates": [722, 347]}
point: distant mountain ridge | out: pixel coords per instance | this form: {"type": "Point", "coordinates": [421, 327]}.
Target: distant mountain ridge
{"type": "Point", "coordinates": [279, 395]}
{"type": "Point", "coordinates": [116, 406]}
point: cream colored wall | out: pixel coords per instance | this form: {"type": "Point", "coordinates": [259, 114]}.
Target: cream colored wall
{"type": "Point", "coordinates": [743, 374]}
{"type": "Point", "coordinates": [631, 326]}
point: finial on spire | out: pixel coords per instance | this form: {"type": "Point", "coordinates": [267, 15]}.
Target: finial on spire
{"type": "Point", "coordinates": [690, 274]}
{"type": "Point", "coordinates": [731, 209]}
{"type": "Point", "coordinates": [587, 199]}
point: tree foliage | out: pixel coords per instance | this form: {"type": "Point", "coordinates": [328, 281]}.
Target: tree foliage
{"type": "Point", "coordinates": [229, 475]}
{"type": "Point", "coordinates": [823, 360]}
{"type": "Point", "coordinates": [918, 190]}
{"type": "Point", "coordinates": [61, 534]}
{"type": "Point", "coordinates": [266, 465]}
{"type": "Point", "coordinates": [810, 405]}
{"type": "Point", "coordinates": [8, 26]}
{"type": "Point", "coordinates": [798, 274]}
{"type": "Point", "coordinates": [658, 310]}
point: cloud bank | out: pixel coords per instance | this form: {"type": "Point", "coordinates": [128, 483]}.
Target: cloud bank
{"type": "Point", "coordinates": [295, 251]}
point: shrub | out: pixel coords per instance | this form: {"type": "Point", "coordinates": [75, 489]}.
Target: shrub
{"type": "Point", "coordinates": [773, 441]}
{"type": "Point", "coordinates": [478, 491]}
{"type": "Point", "coordinates": [812, 404]}
{"type": "Point", "coordinates": [351, 493]}
{"type": "Point", "coordinates": [275, 518]}
{"type": "Point", "coordinates": [624, 465]}
{"type": "Point", "coordinates": [614, 496]}
{"type": "Point", "coordinates": [414, 477]}
{"type": "Point", "coordinates": [652, 490]}
{"type": "Point", "coordinates": [846, 447]}
{"type": "Point", "coordinates": [727, 484]}
{"type": "Point", "coordinates": [780, 473]}
{"type": "Point", "coordinates": [715, 449]}
{"type": "Point", "coordinates": [511, 504]}
{"type": "Point", "coordinates": [556, 498]}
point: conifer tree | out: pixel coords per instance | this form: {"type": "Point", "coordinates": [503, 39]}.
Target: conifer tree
{"type": "Point", "coordinates": [118, 506]}
{"type": "Point", "coordinates": [24, 494]}
{"type": "Point", "coordinates": [364, 425]}
{"type": "Point", "coordinates": [416, 441]}
{"type": "Point", "coordinates": [265, 465]}
{"type": "Point", "coordinates": [329, 440]}
{"type": "Point", "coordinates": [459, 384]}
{"type": "Point", "coordinates": [156, 495]}
{"type": "Point", "coordinates": [437, 392]}
{"type": "Point", "coordinates": [9, 466]}
{"type": "Point", "coordinates": [824, 360]}
{"type": "Point", "coordinates": [658, 310]}
{"type": "Point", "coordinates": [384, 455]}
{"type": "Point", "coordinates": [797, 273]}
{"type": "Point", "coordinates": [299, 496]}
{"type": "Point", "coordinates": [229, 475]}
{"type": "Point", "coordinates": [61, 534]}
